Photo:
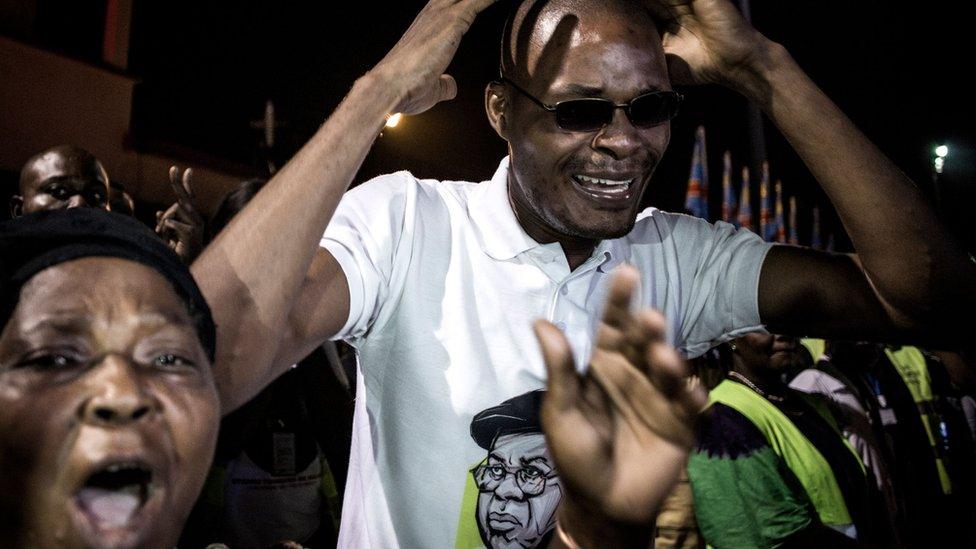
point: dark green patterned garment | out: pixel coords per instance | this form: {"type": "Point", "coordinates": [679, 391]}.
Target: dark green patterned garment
{"type": "Point", "coordinates": [745, 495]}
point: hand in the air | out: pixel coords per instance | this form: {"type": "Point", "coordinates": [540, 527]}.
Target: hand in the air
{"type": "Point", "coordinates": [181, 226]}
{"type": "Point", "coordinates": [709, 41]}
{"type": "Point", "coordinates": [621, 432]}
{"type": "Point", "coordinates": [416, 64]}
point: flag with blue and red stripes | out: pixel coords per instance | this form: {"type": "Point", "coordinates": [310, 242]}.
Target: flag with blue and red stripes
{"type": "Point", "coordinates": [729, 202]}
{"type": "Point", "coordinates": [767, 230]}
{"type": "Point", "coordinates": [779, 220]}
{"type": "Point", "coordinates": [696, 198]}
{"type": "Point", "coordinates": [745, 205]}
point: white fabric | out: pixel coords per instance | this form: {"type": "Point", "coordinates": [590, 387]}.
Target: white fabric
{"type": "Point", "coordinates": [444, 285]}
{"type": "Point", "coordinates": [856, 424]}
{"type": "Point", "coordinates": [856, 421]}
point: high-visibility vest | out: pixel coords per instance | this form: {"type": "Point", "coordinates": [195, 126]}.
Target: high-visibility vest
{"type": "Point", "coordinates": [817, 347]}
{"type": "Point", "coordinates": [913, 370]}
{"type": "Point", "coordinates": [800, 455]}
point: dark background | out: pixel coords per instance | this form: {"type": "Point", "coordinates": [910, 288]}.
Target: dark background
{"type": "Point", "coordinates": [206, 69]}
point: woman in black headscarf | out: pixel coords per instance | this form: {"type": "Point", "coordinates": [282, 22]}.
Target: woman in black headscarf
{"type": "Point", "coordinates": [108, 410]}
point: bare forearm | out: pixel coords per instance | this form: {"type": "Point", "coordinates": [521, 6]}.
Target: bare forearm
{"type": "Point", "coordinates": [252, 273]}
{"type": "Point", "coordinates": [913, 263]}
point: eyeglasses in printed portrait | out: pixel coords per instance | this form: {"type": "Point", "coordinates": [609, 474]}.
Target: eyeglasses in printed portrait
{"type": "Point", "coordinates": [518, 490]}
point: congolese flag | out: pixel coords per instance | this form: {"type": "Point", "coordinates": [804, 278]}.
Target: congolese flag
{"type": "Point", "coordinates": [729, 203]}
{"type": "Point", "coordinates": [745, 208]}
{"type": "Point", "coordinates": [767, 230]}
{"type": "Point", "coordinates": [794, 238]}
{"type": "Point", "coordinates": [815, 241]}
{"type": "Point", "coordinates": [779, 222]}
{"type": "Point", "coordinates": [696, 198]}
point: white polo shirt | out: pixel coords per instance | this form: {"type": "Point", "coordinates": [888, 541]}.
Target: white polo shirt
{"type": "Point", "coordinates": [444, 286]}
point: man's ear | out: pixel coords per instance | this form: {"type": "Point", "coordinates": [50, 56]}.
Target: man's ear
{"type": "Point", "coordinates": [496, 107]}
{"type": "Point", "coordinates": [16, 206]}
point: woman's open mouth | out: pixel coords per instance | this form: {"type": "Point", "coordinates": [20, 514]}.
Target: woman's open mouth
{"type": "Point", "coordinates": [113, 495]}
{"type": "Point", "coordinates": [111, 506]}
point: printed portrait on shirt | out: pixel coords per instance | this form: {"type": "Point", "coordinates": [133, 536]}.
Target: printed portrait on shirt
{"type": "Point", "coordinates": [517, 490]}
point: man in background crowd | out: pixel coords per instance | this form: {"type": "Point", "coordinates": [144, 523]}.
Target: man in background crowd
{"type": "Point", "coordinates": [60, 178]}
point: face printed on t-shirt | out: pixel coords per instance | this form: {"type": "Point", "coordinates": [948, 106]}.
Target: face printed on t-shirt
{"type": "Point", "coordinates": [513, 493]}
{"type": "Point", "coordinates": [518, 492]}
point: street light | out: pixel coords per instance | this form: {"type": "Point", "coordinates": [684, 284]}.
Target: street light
{"type": "Point", "coordinates": [941, 152]}
{"type": "Point", "coordinates": [393, 119]}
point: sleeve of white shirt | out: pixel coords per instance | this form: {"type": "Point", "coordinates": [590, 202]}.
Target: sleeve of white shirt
{"type": "Point", "coordinates": [364, 236]}
{"type": "Point", "coordinates": [722, 264]}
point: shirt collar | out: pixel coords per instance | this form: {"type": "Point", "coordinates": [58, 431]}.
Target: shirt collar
{"type": "Point", "coordinates": [499, 232]}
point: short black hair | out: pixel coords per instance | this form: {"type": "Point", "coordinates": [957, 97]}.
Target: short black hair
{"type": "Point", "coordinates": [68, 151]}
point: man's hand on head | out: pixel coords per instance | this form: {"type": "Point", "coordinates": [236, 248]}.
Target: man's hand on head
{"type": "Point", "coordinates": [620, 432]}
{"type": "Point", "coordinates": [181, 226]}
{"type": "Point", "coordinates": [416, 64]}
{"type": "Point", "coordinates": [710, 42]}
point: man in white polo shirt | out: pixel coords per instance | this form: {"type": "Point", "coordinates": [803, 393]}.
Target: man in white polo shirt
{"type": "Point", "coordinates": [436, 283]}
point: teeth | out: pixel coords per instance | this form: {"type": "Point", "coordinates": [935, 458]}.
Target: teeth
{"type": "Point", "coordinates": [607, 182]}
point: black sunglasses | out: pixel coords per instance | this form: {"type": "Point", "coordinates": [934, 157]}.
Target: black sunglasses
{"type": "Point", "coordinates": [592, 113]}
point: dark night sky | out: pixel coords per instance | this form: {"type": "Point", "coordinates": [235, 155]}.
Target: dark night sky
{"type": "Point", "coordinates": [207, 69]}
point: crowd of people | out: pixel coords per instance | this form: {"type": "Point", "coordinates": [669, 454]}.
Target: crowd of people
{"type": "Point", "coordinates": [425, 363]}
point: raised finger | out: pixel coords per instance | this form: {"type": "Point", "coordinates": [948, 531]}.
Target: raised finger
{"type": "Point", "coordinates": [187, 180]}
{"type": "Point", "coordinates": [177, 186]}
{"type": "Point", "coordinates": [622, 286]}
{"type": "Point", "coordinates": [562, 383]}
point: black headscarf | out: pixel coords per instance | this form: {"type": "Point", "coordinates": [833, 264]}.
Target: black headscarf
{"type": "Point", "coordinates": [34, 242]}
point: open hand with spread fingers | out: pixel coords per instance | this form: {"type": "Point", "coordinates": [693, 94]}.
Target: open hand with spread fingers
{"type": "Point", "coordinates": [416, 64]}
{"type": "Point", "coordinates": [620, 432]}
{"type": "Point", "coordinates": [181, 225]}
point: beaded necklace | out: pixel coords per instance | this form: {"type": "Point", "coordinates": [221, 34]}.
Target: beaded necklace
{"type": "Point", "coordinates": [745, 381]}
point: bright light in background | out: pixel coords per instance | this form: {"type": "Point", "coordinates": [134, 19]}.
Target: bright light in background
{"type": "Point", "coordinates": [942, 151]}
{"type": "Point", "coordinates": [939, 164]}
{"type": "Point", "coordinates": [393, 119]}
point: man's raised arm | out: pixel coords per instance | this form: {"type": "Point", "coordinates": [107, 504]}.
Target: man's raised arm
{"type": "Point", "coordinates": [909, 277]}
{"type": "Point", "coordinates": [253, 272]}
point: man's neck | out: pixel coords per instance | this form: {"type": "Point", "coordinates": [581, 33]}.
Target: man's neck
{"type": "Point", "coordinates": [576, 249]}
